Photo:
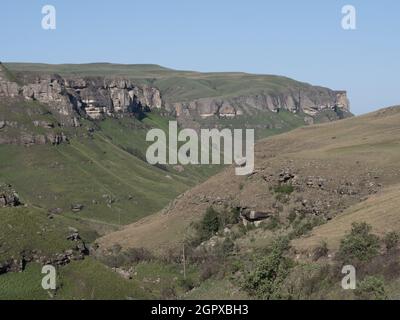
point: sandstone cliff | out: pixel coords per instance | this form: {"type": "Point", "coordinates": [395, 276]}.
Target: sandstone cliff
{"type": "Point", "coordinates": [71, 98]}
{"type": "Point", "coordinates": [190, 97]}
{"type": "Point", "coordinates": [310, 101]}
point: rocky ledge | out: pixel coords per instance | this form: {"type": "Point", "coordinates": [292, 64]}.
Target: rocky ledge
{"type": "Point", "coordinates": [71, 98]}
{"type": "Point", "coordinates": [310, 101]}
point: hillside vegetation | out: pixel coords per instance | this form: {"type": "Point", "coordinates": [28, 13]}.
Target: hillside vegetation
{"type": "Point", "coordinates": [330, 193]}
{"type": "Point", "coordinates": [77, 183]}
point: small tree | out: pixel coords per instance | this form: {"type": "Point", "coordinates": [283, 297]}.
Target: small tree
{"type": "Point", "coordinates": [371, 288]}
{"type": "Point", "coordinates": [270, 272]}
{"type": "Point", "coordinates": [209, 225]}
{"type": "Point", "coordinates": [360, 244]}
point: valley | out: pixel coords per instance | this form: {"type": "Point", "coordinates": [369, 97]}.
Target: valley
{"type": "Point", "coordinates": [80, 194]}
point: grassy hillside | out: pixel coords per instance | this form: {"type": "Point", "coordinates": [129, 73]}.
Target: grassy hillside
{"type": "Point", "coordinates": [103, 171]}
{"type": "Point", "coordinates": [315, 182]}
{"type": "Point", "coordinates": [338, 152]}
{"type": "Point", "coordinates": [107, 173]}
{"type": "Point", "coordinates": [380, 211]}
{"type": "Point", "coordinates": [24, 229]}
{"type": "Point", "coordinates": [80, 280]}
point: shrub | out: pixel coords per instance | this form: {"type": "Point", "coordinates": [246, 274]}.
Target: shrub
{"type": "Point", "coordinates": [228, 217]}
{"type": "Point", "coordinates": [306, 281]}
{"type": "Point", "coordinates": [212, 222]}
{"type": "Point", "coordinates": [136, 255]}
{"type": "Point", "coordinates": [320, 251]}
{"type": "Point", "coordinates": [168, 292]}
{"type": "Point", "coordinates": [303, 226]}
{"type": "Point", "coordinates": [371, 288]}
{"type": "Point", "coordinates": [273, 224]}
{"type": "Point", "coordinates": [209, 224]}
{"type": "Point", "coordinates": [186, 284]}
{"type": "Point", "coordinates": [115, 249]}
{"type": "Point", "coordinates": [174, 255]}
{"type": "Point", "coordinates": [386, 265]}
{"type": "Point", "coordinates": [227, 246]}
{"type": "Point", "coordinates": [284, 189]}
{"type": "Point", "coordinates": [209, 268]}
{"type": "Point", "coordinates": [292, 216]}
{"type": "Point", "coordinates": [270, 272]}
{"type": "Point", "coordinates": [113, 261]}
{"type": "Point", "coordinates": [391, 240]}
{"type": "Point", "coordinates": [118, 258]}
{"type": "Point", "coordinates": [359, 244]}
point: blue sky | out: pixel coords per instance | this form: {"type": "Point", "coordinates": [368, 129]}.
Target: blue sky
{"type": "Point", "coordinates": [300, 39]}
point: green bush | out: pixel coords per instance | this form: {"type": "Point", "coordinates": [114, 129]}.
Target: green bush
{"type": "Point", "coordinates": [266, 279]}
{"type": "Point", "coordinates": [284, 189]}
{"type": "Point", "coordinates": [186, 284]}
{"type": "Point", "coordinates": [118, 258]}
{"type": "Point", "coordinates": [209, 225]}
{"type": "Point", "coordinates": [391, 240]}
{"type": "Point", "coordinates": [214, 221]}
{"type": "Point", "coordinates": [359, 244]}
{"type": "Point", "coordinates": [302, 226]}
{"type": "Point", "coordinates": [136, 255]}
{"type": "Point", "coordinates": [229, 217]}
{"type": "Point", "coordinates": [273, 224]}
{"type": "Point", "coordinates": [227, 246]}
{"type": "Point", "coordinates": [243, 230]}
{"type": "Point", "coordinates": [371, 288]}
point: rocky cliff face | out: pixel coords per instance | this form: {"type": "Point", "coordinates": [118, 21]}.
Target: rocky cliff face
{"type": "Point", "coordinates": [310, 101]}
{"type": "Point", "coordinates": [71, 98]}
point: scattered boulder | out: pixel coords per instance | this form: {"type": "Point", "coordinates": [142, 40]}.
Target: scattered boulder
{"type": "Point", "coordinates": [43, 124]}
{"type": "Point", "coordinates": [285, 175]}
{"type": "Point", "coordinates": [77, 207]}
{"type": "Point", "coordinates": [74, 236]}
{"type": "Point", "coordinates": [8, 196]}
{"type": "Point", "coordinates": [179, 168]}
{"type": "Point", "coordinates": [124, 273]}
{"type": "Point", "coordinates": [253, 216]}
{"type": "Point", "coordinates": [55, 211]}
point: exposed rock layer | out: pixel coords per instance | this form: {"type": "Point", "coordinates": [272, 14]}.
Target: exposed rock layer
{"type": "Point", "coordinates": [71, 98]}
{"type": "Point", "coordinates": [309, 101]}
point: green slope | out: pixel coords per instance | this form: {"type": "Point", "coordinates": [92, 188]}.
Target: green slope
{"type": "Point", "coordinates": [105, 171]}
{"type": "Point", "coordinates": [80, 280]}
{"type": "Point", "coordinates": [107, 174]}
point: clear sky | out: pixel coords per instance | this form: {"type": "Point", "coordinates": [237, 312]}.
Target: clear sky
{"type": "Point", "coordinates": [299, 39]}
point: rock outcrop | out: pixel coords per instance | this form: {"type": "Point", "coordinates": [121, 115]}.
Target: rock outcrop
{"type": "Point", "coordinates": [71, 98]}
{"type": "Point", "coordinates": [310, 101]}
{"type": "Point", "coordinates": [8, 196]}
